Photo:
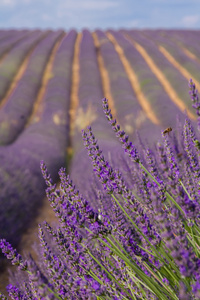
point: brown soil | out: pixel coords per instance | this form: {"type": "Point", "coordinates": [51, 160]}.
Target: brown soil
{"type": "Point", "coordinates": [74, 101]}
{"type": "Point", "coordinates": [104, 76]}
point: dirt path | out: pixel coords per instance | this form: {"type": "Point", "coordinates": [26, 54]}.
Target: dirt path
{"type": "Point", "coordinates": [104, 75]}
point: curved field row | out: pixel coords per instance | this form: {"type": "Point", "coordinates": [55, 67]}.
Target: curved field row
{"type": "Point", "coordinates": [164, 107]}
{"type": "Point", "coordinates": [181, 48]}
{"type": "Point", "coordinates": [19, 102]}
{"type": "Point", "coordinates": [152, 89]}
{"type": "Point", "coordinates": [47, 75]}
{"type": "Point", "coordinates": [7, 34]}
{"type": "Point", "coordinates": [22, 185]}
{"type": "Point", "coordinates": [172, 80]}
{"type": "Point", "coordinates": [130, 113]}
{"type": "Point", "coordinates": [10, 65]}
{"type": "Point", "coordinates": [189, 40]}
{"type": "Point", "coordinates": [180, 60]}
{"type": "Point", "coordinates": [134, 82]}
{"type": "Point", "coordinates": [11, 41]}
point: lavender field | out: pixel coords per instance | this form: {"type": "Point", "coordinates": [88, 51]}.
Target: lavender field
{"type": "Point", "coordinates": [51, 88]}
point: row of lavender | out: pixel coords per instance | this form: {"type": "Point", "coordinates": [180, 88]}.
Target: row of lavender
{"type": "Point", "coordinates": [16, 111]}
{"type": "Point", "coordinates": [14, 59]}
{"type": "Point", "coordinates": [175, 78]}
{"type": "Point", "coordinates": [22, 187]}
{"type": "Point", "coordinates": [8, 41]}
{"type": "Point", "coordinates": [132, 113]}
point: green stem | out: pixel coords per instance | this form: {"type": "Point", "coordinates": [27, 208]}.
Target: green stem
{"type": "Point", "coordinates": [48, 288]}
{"type": "Point", "coordinates": [185, 189]}
{"type": "Point", "coordinates": [167, 194]}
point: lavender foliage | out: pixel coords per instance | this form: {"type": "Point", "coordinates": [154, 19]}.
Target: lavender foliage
{"type": "Point", "coordinates": [142, 242]}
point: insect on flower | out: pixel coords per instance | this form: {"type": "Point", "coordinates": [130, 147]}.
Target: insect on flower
{"type": "Point", "coordinates": [167, 130]}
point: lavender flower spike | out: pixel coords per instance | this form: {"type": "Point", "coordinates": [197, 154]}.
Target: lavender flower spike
{"type": "Point", "coordinates": [12, 254]}
{"type": "Point", "coordinates": [3, 297]}
{"type": "Point", "coordinates": [195, 100]}
{"type": "Point", "coordinates": [120, 134]}
{"type": "Point", "coordinates": [194, 97]}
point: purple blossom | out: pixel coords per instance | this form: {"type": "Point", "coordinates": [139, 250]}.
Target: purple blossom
{"type": "Point", "coordinates": [194, 96]}
{"type": "Point", "coordinates": [128, 147]}
{"type": "Point", "coordinates": [12, 254]}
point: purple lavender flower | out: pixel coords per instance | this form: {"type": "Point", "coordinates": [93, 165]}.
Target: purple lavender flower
{"type": "Point", "coordinates": [194, 96]}
{"type": "Point", "coordinates": [120, 134]}
{"type": "Point", "coordinates": [12, 254]}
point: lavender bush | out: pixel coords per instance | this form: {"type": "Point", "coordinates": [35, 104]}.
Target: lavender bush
{"type": "Point", "coordinates": [142, 243]}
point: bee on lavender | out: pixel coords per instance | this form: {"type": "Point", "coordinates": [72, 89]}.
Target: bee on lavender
{"type": "Point", "coordinates": [167, 130]}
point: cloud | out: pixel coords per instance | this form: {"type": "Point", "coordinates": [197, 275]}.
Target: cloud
{"type": "Point", "coordinates": [131, 23]}
{"type": "Point", "coordinates": [8, 2]}
{"type": "Point", "coordinates": [99, 5]}
{"type": "Point", "coordinates": [190, 21]}
{"type": "Point", "coordinates": [12, 3]}
{"type": "Point", "coordinates": [88, 5]}
{"type": "Point", "coordinates": [46, 17]}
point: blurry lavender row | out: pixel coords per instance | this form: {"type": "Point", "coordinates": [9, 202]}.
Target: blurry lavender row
{"type": "Point", "coordinates": [13, 60]}
{"type": "Point", "coordinates": [187, 38]}
{"type": "Point", "coordinates": [90, 93]}
{"type": "Point", "coordinates": [162, 106]}
{"type": "Point", "coordinates": [11, 41]}
{"type": "Point", "coordinates": [90, 112]}
{"type": "Point", "coordinates": [8, 33]}
{"type": "Point", "coordinates": [178, 54]}
{"type": "Point", "coordinates": [16, 111]}
{"type": "Point", "coordinates": [56, 102]}
{"type": "Point", "coordinates": [21, 182]}
{"type": "Point", "coordinates": [174, 77]}
{"type": "Point", "coordinates": [129, 112]}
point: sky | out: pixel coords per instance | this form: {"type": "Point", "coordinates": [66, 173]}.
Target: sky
{"type": "Point", "coordinates": [99, 14]}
